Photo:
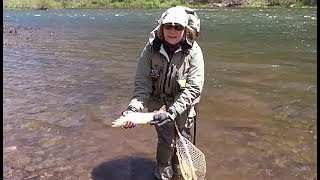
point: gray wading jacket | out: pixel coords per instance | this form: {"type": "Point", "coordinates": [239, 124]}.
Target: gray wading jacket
{"type": "Point", "coordinates": [180, 81]}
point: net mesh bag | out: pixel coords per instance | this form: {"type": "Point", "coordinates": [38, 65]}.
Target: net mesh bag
{"type": "Point", "coordinates": [192, 161]}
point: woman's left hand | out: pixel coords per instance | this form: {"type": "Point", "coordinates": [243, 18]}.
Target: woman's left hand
{"type": "Point", "coordinates": [160, 119]}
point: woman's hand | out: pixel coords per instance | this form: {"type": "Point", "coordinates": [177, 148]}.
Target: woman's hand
{"type": "Point", "coordinates": [128, 124]}
{"type": "Point", "coordinates": [160, 119]}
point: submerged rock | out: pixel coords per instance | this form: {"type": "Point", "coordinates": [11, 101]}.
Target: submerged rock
{"type": "Point", "coordinates": [37, 110]}
{"type": "Point", "coordinates": [34, 176]}
{"type": "Point", "coordinates": [7, 128]}
{"type": "Point", "coordinates": [46, 143]}
{"type": "Point", "coordinates": [7, 171]}
{"type": "Point", "coordinates": [16, 35]}
{"type": "Point", "coordinates": [30, 168]}
{"type": "Point", "coordinates": [9, 149]}
{"type": "Point", "coordinates": [62, 168]}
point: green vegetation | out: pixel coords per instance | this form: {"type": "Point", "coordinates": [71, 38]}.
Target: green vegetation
{"type": "Point", "coordinates": [283, 3]}
{"type": "Point", "coordinates": [61, 4]}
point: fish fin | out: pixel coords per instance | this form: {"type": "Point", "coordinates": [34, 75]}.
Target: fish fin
{"type": "Point", "coordinates": [162, 109]}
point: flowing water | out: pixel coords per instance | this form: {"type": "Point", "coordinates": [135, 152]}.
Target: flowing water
{"type": "Point", "coordinates": [75, 75]}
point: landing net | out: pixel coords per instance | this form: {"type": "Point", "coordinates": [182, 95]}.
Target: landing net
{"type": "Point", "coordinates": [192, 161]}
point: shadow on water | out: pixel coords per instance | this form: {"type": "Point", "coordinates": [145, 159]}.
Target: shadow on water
{"type": "Point", "coordinates": [125, 168]}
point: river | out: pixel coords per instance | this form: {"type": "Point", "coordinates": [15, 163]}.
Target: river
{"type": "Point", "coordinates": [74, 75]}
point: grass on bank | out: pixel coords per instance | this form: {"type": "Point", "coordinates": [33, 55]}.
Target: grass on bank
{"type": "Point", "coordinates": [64, 4]}
{"type": "Point", "coordinates": [281, 3]}
{"type": "Point", "coordinates": [146, 4]}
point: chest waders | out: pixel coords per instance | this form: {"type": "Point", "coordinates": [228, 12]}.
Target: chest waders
{"type": "Point", "coordinates": [165, 75]}
{"type": "Point", "coordinates": [164, 80]}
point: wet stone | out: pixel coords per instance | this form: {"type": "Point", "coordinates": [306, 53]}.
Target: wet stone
{"type": "Point", "coordinates": [40, 153]}
{"type": "Point", "coordinates": [281, 162]}
{"type": "Point", "coordinates": [49, 142]}
{"type": "Point", "coordinates": [46, 175]}
{"type": "Point", "coordinates": [47, 163]}
{"type": "Point", "coordinates": [30, 168]}
{"type": "Point", "coordinates": [62, 168]}
{"type": "Point", "coordinates": [7, 128]}
{"type": "Point", "coordinates": [17, 160]}
{"type": "Point", "coordinates": [13, 35]}
{"type": "Point", "coordinates": [24, 174]}
{"type": "Point", "coordinates": [37, 159]}
{"type": "Point", "coordinates": [7, 171]}
{"type": "Point", "coordinates": [84, 177]}
{"type": "Point", "coordinates": [68, 178]}
{"type": "Point", "coordinates": [34, 176]}
{"type": "Point", "coordinates": [24, 160]}
{"type": "Point", "coordinates": [35, 167]}
{"type": "Point", "coordinates": [78, 170]}
{"type": "Point", "coordinates": [37, 110]}
{"type": "Point", "coordinates": [18, 175]}
{"type": "Point", "coordinates": [58, 161]}
{"type": "Point", "coordinates": [9, 149]}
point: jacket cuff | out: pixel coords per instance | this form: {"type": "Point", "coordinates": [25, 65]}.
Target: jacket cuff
{"type": "Point", "coordinates": [132, 108]}
{"type": "Point", "coordinates": [172, 113]}
{"type": "Point", "coordinates": [137, 105]}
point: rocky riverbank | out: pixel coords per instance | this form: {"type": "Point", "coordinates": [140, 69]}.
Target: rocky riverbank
{"type": "Point", "coordinates": [16, 35]}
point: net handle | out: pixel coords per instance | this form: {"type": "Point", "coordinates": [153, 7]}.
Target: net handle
{"type": "Point", "coordinates": [194, 177]}
{"type": "Point", "coordinates": [175, 124]}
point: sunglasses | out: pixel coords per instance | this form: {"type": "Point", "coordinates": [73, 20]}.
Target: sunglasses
{"type": "Point", "coordinates": [177, 27]}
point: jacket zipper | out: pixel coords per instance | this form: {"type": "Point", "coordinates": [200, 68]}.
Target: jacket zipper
{"type": "Point", "coordinates": [165, 79]}
{"type": "Point", "coordinates": [171, 70]}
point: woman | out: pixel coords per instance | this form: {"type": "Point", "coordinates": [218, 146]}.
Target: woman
{"type": "Point", "coordinates": [170, 72]}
